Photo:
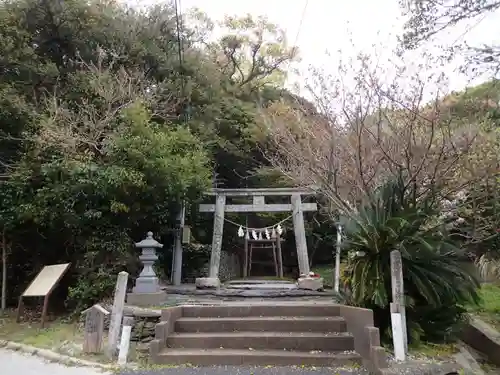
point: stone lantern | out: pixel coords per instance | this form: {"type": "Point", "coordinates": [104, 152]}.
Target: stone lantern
{"type": "Point", "coordinates": [147, 291]}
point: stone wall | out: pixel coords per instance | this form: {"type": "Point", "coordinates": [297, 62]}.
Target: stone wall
{"type": "Point", "coordinates": [145, 321]}
{"type": "Point", "coordinates": [230, 267]}
{"type": "Point", "coordinates": [144, 328]}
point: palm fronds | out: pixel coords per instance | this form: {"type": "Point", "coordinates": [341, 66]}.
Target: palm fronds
{"type": "Point", "coordinates": [395, 220]}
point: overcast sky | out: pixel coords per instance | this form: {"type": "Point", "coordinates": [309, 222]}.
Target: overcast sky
{"type": "Point", "coordinates": [333, 25]}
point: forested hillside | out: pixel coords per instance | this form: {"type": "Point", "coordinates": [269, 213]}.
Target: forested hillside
{"type": "Point", "coordinates": [110, 117]}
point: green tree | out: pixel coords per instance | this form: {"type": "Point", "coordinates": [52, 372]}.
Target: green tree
{"type": "Point", "coordinates": [250, 61]}
{"type": "Point", "coordinates": [105, 130]}
{"type": "Point", "coordinates": [97, 178]}
{"type": "Point", "coordinates": [253, 52]}
{"type": "Point", "coordinates": [101, 159]}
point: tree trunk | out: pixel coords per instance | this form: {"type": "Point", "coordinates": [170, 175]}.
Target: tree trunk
{"type": "Point", "coordinates": [4, 273]}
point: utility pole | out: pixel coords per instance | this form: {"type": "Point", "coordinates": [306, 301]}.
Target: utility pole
{"type": "Point", "coordinates": [177, 259]}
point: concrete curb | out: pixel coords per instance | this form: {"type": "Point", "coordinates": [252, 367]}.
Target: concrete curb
{"type": "Point", "coordinates": [465, 358]}
{"type": "Point", "coordinates": [55, 357]}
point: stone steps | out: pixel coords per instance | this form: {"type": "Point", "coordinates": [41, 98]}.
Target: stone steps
{"type": "Point", "coordinates": [300, 341]}
{"type": "Point", "coordinates": [262, 323]}
{"type": "Point", "coordinates": [268, 310]}
{"type": "Point", "coordinates": [258, 334]}
{"type": "Point", "coordinates": [235, 357]}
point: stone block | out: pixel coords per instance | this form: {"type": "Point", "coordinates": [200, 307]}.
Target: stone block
{"type": "Point", "coordinates": [207, 283]}
{"type": "Point", "coordinates": [310, 283]}
{"type": "Point", "coordinates": [146, 299]}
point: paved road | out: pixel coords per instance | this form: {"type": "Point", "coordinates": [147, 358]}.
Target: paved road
{"type": "Point", "coordinates": [15, 363]}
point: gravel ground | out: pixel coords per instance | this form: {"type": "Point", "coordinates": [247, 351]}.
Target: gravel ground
{"type": "Point", "coordinates": [246, 370]}
{"type": "Point", "coordinates": [406, 369]}
{"type": "Point", "coordinates": [13, 363]}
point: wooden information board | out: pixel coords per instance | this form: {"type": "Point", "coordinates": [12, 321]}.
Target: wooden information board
{"type": "Point", "coordinates": [42, 286]}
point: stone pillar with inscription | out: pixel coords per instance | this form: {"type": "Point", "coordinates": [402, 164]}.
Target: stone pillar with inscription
{"type": "Point", "coordinates": [147, 291]}
{"type": "Point", "coordinates": [117, 314]}
{"type": "Point", "coordinates": [398, 311]}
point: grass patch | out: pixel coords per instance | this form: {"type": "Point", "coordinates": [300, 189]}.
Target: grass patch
{"type": "Point", "coordinates": [30, 333]}
{"type": "Point", "coordinates": [61, 336]}
{"type": "Point", "coordinates": [489, 308]}
{"type": "Point", "coordinates": [326, 272]}
{"type": "Point", "coordinates": [434, 351]}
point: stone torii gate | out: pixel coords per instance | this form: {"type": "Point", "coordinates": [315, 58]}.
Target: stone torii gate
{"type": "Point", "coordinates": [258, 204]}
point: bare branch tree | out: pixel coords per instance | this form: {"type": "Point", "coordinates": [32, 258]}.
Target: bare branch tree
{"type": "Point", "coordinates": [87, 122]}
{"type": "Point", "coordinates": [368, 130]}
{"type": "Point", "coordinates": [428, 19]}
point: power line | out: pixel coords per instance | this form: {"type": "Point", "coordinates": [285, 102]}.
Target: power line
{"type": "Point", "coordinates": [180, 44]}
{"type": "Point", "coordinates": [178, 16]}
{"type": "Point", "coordinates": [469, 29]}
{"type": "Point", "coordinates": [176, 271]}
{"type": "Point", "coordinates": [302, 17]}
{"type": "Point", "coordinates": [178, 24]}
{"type": "Point", "coordinates": [297, 35]}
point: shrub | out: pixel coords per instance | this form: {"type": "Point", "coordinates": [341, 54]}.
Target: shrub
{"type": "Point", "coordinates": [436, 285]}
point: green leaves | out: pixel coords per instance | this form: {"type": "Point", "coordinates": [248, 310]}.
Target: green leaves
{"type": "Point", "coordinates": [433, 274]}
{"type": "Point", "coordinates": [96, 145]}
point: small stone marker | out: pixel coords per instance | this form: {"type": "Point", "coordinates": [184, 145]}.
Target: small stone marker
{"type": "Point", "coordinates": [398, 312]}
{"type": "Point", "coordinates": [125, 340]}
{"type": "Point", "coordinates": [94, 328]}
{"type": "Point", "coordinates": [117, 314]}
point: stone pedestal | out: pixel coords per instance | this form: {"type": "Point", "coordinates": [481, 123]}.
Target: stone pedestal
{"type": "Point", "coordinates": [146, 299]}
{"type": "Point", "coordinates": [207, 283]}
{"type": "Point", "coordinates": [310, 283]}
{"type": "Point", "coordinates": [146, 291]}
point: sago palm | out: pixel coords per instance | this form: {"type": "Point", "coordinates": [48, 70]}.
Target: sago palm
{"type": "Point", "coordinates": [394, 219]}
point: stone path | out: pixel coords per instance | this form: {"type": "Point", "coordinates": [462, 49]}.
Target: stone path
{"type": "Point", "coordinates": [262, 289]}
{"type": "Point", "coordinates": [179, 299]}
{"type": "Point", "coordinates": [13, 363]}
{"type": "Point", "coordinates": [245, 295]}
{"type": "Point", "coordinates": [251, 290]}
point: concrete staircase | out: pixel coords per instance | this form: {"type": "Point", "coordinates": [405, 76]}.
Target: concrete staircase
{"type": "Point", "coordinates": [257, 334]}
